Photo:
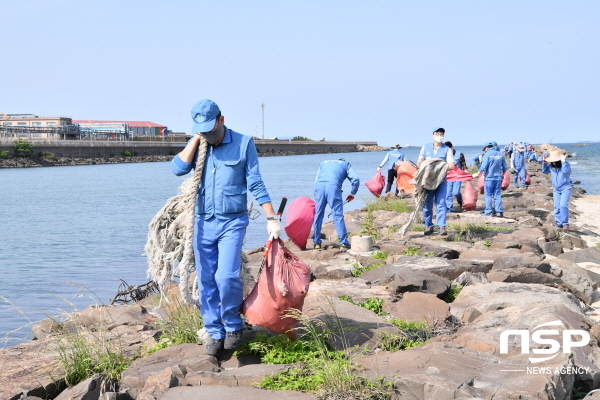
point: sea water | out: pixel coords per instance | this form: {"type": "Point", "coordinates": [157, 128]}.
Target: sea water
{"type": "Point", "coordinates": [68, 235]}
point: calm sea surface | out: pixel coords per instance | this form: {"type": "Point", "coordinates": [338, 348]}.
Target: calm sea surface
{"type": "Point", "coordinates": [68, 234]}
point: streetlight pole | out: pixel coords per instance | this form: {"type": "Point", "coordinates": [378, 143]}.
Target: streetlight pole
{"type": "Point", "coordinates": [263, 120]}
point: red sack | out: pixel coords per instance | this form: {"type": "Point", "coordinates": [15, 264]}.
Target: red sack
{"type": "Point", "coordinates": [505, 181]}
{"type": "Point", "coordinates": [481, 183]}
{"type": "Point", "coordinates": [376, 184]}
{"type": "Point", "coordinates": [527, 178]}
{"type": "Point", "coordinates": [299, 220]}
{"type": "Point", "coordinates": [469, 197]}
{"type": "Point", "coordinates": [282, 285]}
{"type": "Point", "coordinates": [458, 175]}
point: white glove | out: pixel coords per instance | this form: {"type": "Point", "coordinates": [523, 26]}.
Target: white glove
{"type": "Point", "coordinates": [378, 169]}
{"type": "Point", "coordinates": [274, 228]}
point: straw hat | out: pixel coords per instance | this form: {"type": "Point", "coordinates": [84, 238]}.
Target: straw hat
{"type": "Point", "coordinates": [396, 146]}
{"type": "Point", "coordinates": [521, 147]}
{"type": "Point", "coordinates": [554, 156]}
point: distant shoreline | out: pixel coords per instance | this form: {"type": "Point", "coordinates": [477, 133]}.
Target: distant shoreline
{"type": "Point", "coordinates": [34, 162]}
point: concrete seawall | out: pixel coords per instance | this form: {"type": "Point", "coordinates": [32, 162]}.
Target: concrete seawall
{"type": "Point", "coordinates": [70, 148]}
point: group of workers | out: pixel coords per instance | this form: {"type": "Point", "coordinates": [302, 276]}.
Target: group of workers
{"type": "Point", "coordinates": [230, 169]}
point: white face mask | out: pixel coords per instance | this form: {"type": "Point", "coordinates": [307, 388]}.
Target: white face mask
{"type": "Point", "coordinates": [437, 138]}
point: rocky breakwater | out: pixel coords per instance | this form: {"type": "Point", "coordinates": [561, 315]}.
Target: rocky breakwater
{"type": "Point", "coordinates": [22, 162]}
{"type": "Point", "coordinates": [508, 309]}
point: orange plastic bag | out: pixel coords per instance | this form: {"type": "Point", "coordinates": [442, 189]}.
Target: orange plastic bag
{"type": "Point", "coordinates": [406, 172]}
{"type": "Point", "coordinates": [469, 197]}
{"type": "Point", "coordinates": [282, 285]}
{"type": "Point", "coordinates": [505, 181]}
{"type": "Point", "coordinates": [300, 217]}
{"type": "Point", "coordinates": [376, 184]}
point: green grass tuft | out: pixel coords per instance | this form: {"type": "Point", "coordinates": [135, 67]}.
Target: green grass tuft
{"type": "Point", "coordinates": [453, 293]}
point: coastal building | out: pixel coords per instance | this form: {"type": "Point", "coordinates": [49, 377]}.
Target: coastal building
{"type": "Point", "coordinates": [32, 126]}
{"type": "Point", "coordinates": [131, 129]}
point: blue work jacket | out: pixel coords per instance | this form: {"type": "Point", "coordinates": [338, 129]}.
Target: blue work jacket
{"type": "Point", "coordinates": [429, 151]}
{"type": "Point", "coordinates": [334, 172]}
{"type": "Point", "coordinates": [561, 177]}
{"type": "Point", "coordinates": [493, 164]}
{"type": "Point", "coordinates": [230, 169]}
{"type": "Point", "coordinates": [390, 159]}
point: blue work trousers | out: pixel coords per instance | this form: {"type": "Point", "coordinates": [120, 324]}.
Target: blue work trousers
{"type": "Point", "coordinates": [217, 247]}
{"type": "Point", "coordinates": [561, 206]}
{"type": "Point", "coordinates": [453, 190]}
{"type": "Point", "coordinates": [439, 197]}
{"type": "Point", "coordinates": [493, 196]}
{"type": "Point", "coordinates": [520, 174]}
{"type": "Point", "coordinates": [332, 195]}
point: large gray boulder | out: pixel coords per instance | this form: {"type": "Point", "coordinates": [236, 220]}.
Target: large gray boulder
{"type": "Point", "coordinates": [446, 371]}
{"type": "Point", "coordinates": [415, 306]}
{"type": "Point", "coordinates": [580, 281]}
{"type": "Point", "coordinates": [89, 389]}
{"type": "Point", "coordinates": [181, 360]}
{"type": "Point", "coordinates": [449, 269]}
{"type": "Point", "coordinates": [361, 327]}
{"type": "Point", "coordinates": [401, 279]}
{"type": "Point", "coordinates": [226, 392]}
{"type": "Point", "coordinates": [589, 254]}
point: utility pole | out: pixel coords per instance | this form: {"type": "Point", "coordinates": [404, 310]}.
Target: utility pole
{"type": "Point", "coordinates": [263, 119]}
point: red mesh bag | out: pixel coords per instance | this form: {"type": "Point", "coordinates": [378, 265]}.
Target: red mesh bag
{"type": "Point", "coordinates": [505, 181]}
{"type": "Point", "coordinates": [469, 197]}
{"type": "Point", "coordinates": [376, 184]}
{"type": "Point", "coordinates": [282, 285]}
{"type": "Point", "coordinates": [481, 183]}
{"type": "Point", "coordinates": [299, 220]}
{"type": "Point", "coordinates": [527, 179]}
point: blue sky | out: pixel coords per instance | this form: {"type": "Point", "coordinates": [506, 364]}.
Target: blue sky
{"type": "Point", "coordinates": [389, 71]}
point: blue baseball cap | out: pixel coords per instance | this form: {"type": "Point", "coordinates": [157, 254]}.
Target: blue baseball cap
{"type": "Point", "coordinates": [204, 114]}
{"type": "Point", "coordinates": [489, 144]}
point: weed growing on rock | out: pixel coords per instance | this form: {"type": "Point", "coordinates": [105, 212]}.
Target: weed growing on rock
{"type": "Point", "coordinates": [358, 269]}
{"type": "Point", "coordinates": [397, 205]}
{"type": "Point", "coordinates": [368, 226]}
{"type": "Point", "coordinates": [371, 303]}
{"type": "Point", "coordinates": [380, 255]}
{"type": "Point", "coordinates": [415, 251]}
{"type": "Point", "coordinates": [180, 326]}
{"type": "Point", "coordinates": [319, 369]}
{"type": "Point", "coordinates": [487, 243]}
{"type": "Point", "coordinates": [453, 293]}
{"type": "Point", "coordinates": [470, 227]}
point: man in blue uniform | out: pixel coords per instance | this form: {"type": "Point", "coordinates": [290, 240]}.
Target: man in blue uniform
{"type": "Point", "coordinates": [437, 149]}
{"type": "Point", "coordinates": [517, 162]}
{"type": "Point", "coordinates": [493, 166]}
{"type": "Point", "coordinates": [328, 190]}
{"type": "Point", "coordinates": [557, 165]}
{"type": "Point", "coordinates": [389, 162]}
{"type": "Point", "coordinates": [454, 187]}
{"type": "Point", "coordinates": [221, 218]}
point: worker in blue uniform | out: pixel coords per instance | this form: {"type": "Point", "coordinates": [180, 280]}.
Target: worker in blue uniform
{"type": "Point", "coordinates": [517, 162]}
{"type": "Point", "coordinates": [389, 162]}
{"type": "Point", "coordinates": [328, 190]}
{"type": "Point", "coordinates": [493, 166]}
{"type": "Point", "coordinates": [437, 149]}
{"type": "Point", "coordinates": [454, 187]}
{"type": "Point", "coordinates": [558, 167]}
{"type": "Point", "coordinates": [477, 159]}
{"type": "Point", "coordinates": [221, 218]}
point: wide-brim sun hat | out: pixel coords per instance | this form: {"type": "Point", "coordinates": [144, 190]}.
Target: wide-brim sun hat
{"type": "Point", "coordinates": [554, 156]}
{"type": "Point", "coordinates": [396, 146]}
{"type": "Point", "coordinates": [521, 147]}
